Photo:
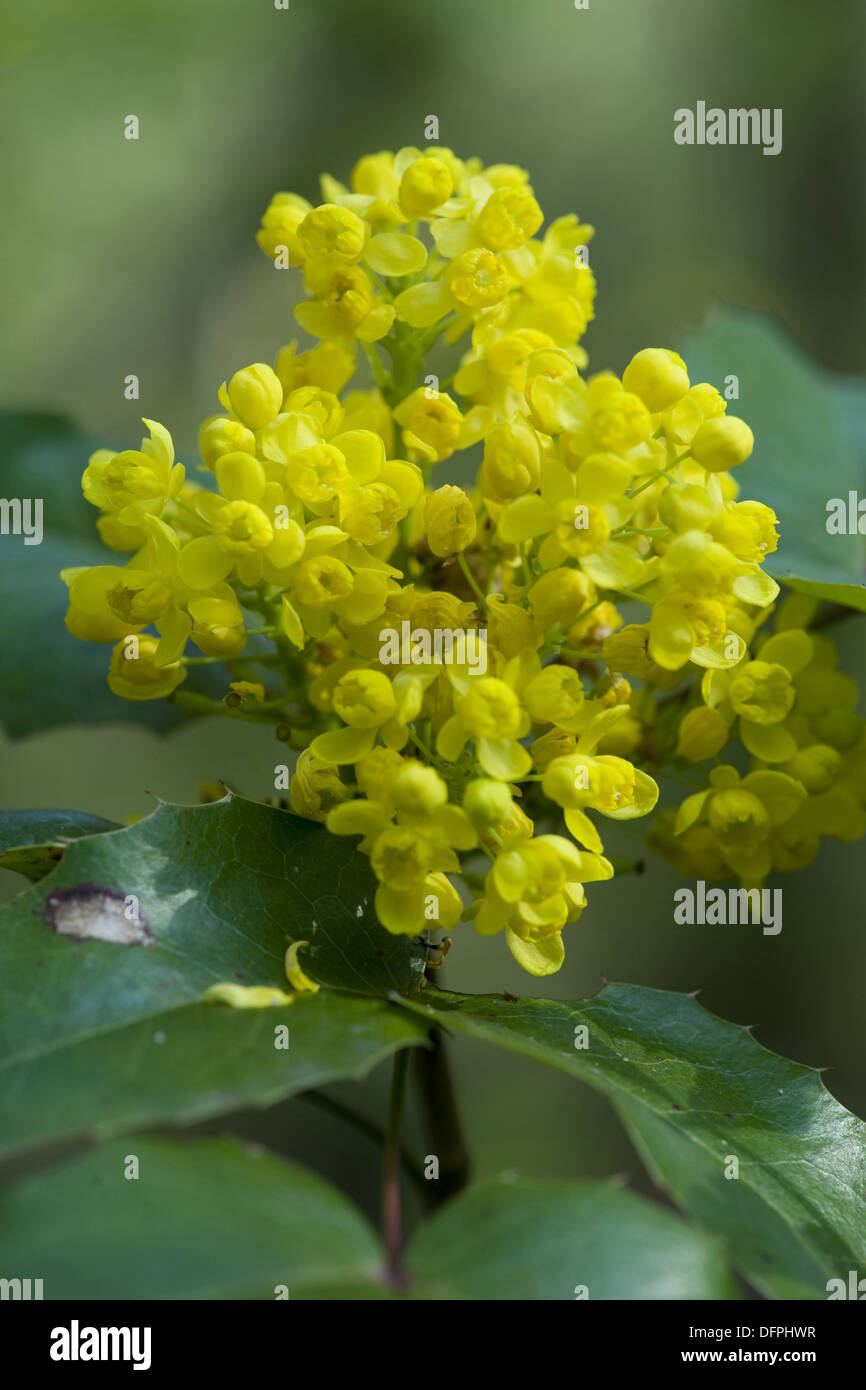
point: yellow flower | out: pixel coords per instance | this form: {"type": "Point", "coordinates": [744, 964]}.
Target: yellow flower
{"type": "Point", "coordinates": [315, 787]}
{"type": "Point", "coordinates": [762, 692]}
{"type": "Point", "coordinates": [742, 814]}
{"type": "Point", "coordinates": [488, 711]}
{"type": "Point", "coordinates": [431, 424]}
{"type": "Point", "coordinates": [509, 217]}
{"type": "Point", "coordinates": [606, 783]}
{"type": "Point", "coordinates": [533, 890]}
{"type": "Point", "coordinates": [477, 280]}
{"type": "Point", "coordinates": [280, 224]}
{"type": "Point", "coordinates": [332, 235]}
{"type": "Point", "coordinates": [135, 481]}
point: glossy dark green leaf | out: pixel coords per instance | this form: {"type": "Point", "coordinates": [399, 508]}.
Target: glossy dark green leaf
{"type": "Point", "coordinates": [696, 1091]}
{"type": "Point", "coordinates": [202, 1220]}
{"type": "Point", "coordinates": [511, 1238]}
{"type": "Point", "coordinates": [204, 894]}
{"type": "Point", "coordinates": [31, 842]}
{"type": "Point", "coordinates": [149, 1218]}
{"type": "Point", "coordinates": [193, 1062]}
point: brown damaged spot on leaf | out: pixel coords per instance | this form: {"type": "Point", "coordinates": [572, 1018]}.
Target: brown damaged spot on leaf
{"type": "Point", "coordinates": [90, 913]}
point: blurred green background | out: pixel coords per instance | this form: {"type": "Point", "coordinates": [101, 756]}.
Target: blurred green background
{"type": "Point", "coordinates": [122, 257]}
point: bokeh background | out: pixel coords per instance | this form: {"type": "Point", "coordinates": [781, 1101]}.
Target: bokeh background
{"type": "Point", "coordinates": [122, 257]}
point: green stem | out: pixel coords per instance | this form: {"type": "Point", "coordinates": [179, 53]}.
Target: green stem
{"type": "Point", "coordinates": [392, 1207]}
{"type": "Point", "coordinates": [381, 376]}
{"type": "Point", "coordinates": [439, 1103]}
{"type": "Point", "coordinates": [473, 584]}
{"type": "Point", "coordinates": [653, 478]}
{"type": "Point", "coordinates": [631, 593]}
{"type": "Point", "coordinates": [201, 704]}
{"type": "Point", "coordinates": [370, 1131]}
{"type": "Point", "coordinates": [639, 531]}
{"type": "Point", "coordinates": [580, 656]}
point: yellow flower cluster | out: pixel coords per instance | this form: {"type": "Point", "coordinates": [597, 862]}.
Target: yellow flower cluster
{"type": "Point", "coordinates": [455, 667]}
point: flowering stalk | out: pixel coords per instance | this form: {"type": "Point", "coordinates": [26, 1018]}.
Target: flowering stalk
{"type": "Point", "coordinates": [315, 537]}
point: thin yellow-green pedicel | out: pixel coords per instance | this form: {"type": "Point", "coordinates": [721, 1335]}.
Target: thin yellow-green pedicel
{"type": "Point", "coordinates": [319, 529]}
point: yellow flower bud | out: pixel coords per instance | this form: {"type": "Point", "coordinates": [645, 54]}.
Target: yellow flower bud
{"type": "Point", "coordinates": [555, 695]}
{"type": "Point", "coordinates": [425, 185]}
{"type": "Point", "coordinates": [626, 651]}
{"type": "Point", "coordinates": [512, 461]}
{"type": "Point", "coordinates": [280, 223]}
{"type": "Point", "coordinates": [487, 802]}
{"type": "Point", "coordinates": [560, 596]}
{"type": "Point", "coordinates": [841, 728]}
{"type": "Point", "coordinates": [133, 674]}
{"type": "Point", "coordinates": [658, 376]}
{"type": "Point", "coordinates": [703, 734]}
{"type": "Point", "coordinates": [490, 710]}
{"type": "Point", "coordinates": [418, 790]}
{"type": "Point", "coordinates": [401, 856]}
{"type": "Point", "coordinates": [817, 767]}
{"type": "Point", "coordinates": [722, 444]}
{"type": "Point", "coordinates": [686, 507]}
{"type": "Point", "coordinates": [255, 394]}
{"type": "Point", "coordinates": [329, 365]}
{"type": "Point", "coordinates": [221, 435]}
{"type": "Point", "coordinates": [217, 625]}
{"type": "Point", "coordinates": [449, 520]}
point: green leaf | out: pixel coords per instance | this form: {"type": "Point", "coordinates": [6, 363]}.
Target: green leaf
{"type": "Point", "coordinates": [219, 891]}
{"type": "Point", "coordinates": [31, 842]}
{"type": "Point", "coordinates": [216, 1220]}
{"type": "Point", "coordinates": [50, 677]}
{"type": "Point", "coordinates": [193, 1062]}
{"type": "Point", "coordinates": [204, 1220]}
{"type": "Point", "coordinates": [809, 446]}
{"type": "Point", "coordinates": [693, 1090]}
{"type": "Point", "coordinates": [511, 1238]}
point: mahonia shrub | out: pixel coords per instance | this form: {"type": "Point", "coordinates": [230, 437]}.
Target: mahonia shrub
{"type": "Point", "coordinates": [475, 681]}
